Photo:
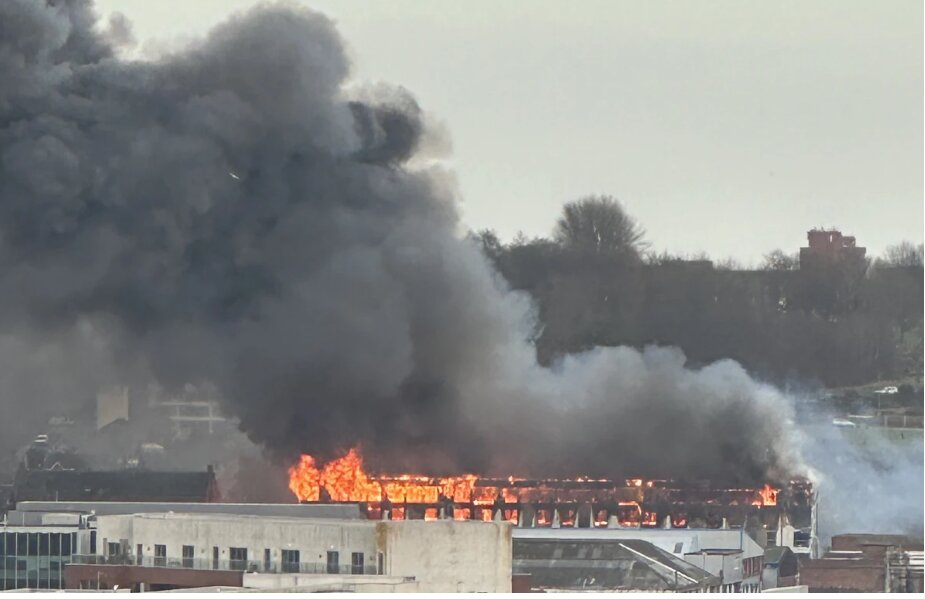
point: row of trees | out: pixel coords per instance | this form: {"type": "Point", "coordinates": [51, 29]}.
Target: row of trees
{"type": "Point", "coordinates": [596, 282]}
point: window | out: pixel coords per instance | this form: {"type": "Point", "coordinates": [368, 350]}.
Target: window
{"type": "Point", "coordinates": [333, 567]}
{"type": "Point", "coordinates": [138, 554]}
{"type": "Point", "coordinates": [772, 538]}
{"type": "Point", "coordinates": [55, 544]}
{"type": "Point", "coordinates": [267, 560]}
{"type": "Point", "coordinates": [238, 556]}
{"type": "Point", "coordinates": [68, 542]}
{"type": "Point", "coordinates": [188, 551]}
{"type": "Point", "coordinates": [356, 563]}
{"type": "Point", "coordinates": [290, 560]}
{"type": "Point", "coordinates": [160, 555]}
{"type": "Point", "coordinates": [92, 541]}
{"type": "Point", "coordinates": [678, 547]}
{"type": "Point", "coordinates": [381, 569]}
{"type": "Point", "coordinates": [215, 558]}
{"type": "Point", "coordinates": [112, 552]}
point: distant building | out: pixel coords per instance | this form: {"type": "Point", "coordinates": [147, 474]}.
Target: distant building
{"type": "Point", "coordinates": [114, 485]}
{"type": "Point", "coordinates": [826, 247]}
{"type": "Point", "coordinates": [51, 471]}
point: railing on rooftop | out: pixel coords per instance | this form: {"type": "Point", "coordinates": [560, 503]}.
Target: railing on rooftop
{"type": "Point", "coordinates": [250, 566]}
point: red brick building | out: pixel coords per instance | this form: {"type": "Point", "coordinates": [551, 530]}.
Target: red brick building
{"type": "Point", "coordinates": [866, 563]}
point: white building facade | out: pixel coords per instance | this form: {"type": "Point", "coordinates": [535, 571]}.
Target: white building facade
{"type": "Point", "coordinates": [444, 556]}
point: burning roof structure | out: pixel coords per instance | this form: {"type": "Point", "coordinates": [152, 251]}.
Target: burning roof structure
{"type": "Point", "coordinates": [578, 502]}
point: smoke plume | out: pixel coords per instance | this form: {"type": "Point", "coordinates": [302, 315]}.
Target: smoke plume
{"type": "Point", "coordinates": [240, 213]}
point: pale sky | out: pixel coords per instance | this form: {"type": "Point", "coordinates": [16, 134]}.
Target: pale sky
{"type": "Point", "coordinates": [726, 126]}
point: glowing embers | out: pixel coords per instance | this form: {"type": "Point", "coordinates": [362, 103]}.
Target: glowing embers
{"type": "Point", "coordinates": [463, 513]}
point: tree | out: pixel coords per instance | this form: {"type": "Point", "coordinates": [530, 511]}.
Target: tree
{"type": "Point", "coordinates": [778, 260]}
{"type": "Point", "coordinates": [903, 254]}
{"type": "Point", "coordinates": [599, 225]}
{"type": "Point", "coordinates": [488, 240]}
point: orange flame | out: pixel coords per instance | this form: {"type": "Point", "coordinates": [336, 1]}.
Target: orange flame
{"type": "Point", "coordinates": [304, 479]}
{"type": "Point", "coordinates": [768, 496]}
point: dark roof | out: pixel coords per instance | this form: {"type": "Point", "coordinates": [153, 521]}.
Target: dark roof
{"type": "Point", "coordinates": [116, 485]}
{"type": "Point", "coordinates": [854, 542]}
{"type": "Point", "coordinates": [619, 564]}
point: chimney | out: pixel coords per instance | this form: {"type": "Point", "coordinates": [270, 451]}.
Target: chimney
{"type": "Point", "coordinates": [555, 518]}
{"type": "Point", "coordinates": [667, 522]}
{"type": "Point", "coordinates": [613, 522]}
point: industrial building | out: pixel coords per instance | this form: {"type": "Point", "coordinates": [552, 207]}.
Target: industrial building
{"type": "Point", "coordinates": [732, 558]}
{"type": "Point", "coordinates": [605, 565]}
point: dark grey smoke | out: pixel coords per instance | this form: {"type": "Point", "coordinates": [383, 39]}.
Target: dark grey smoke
{"type": "Point", "coordinates": [233, 214]}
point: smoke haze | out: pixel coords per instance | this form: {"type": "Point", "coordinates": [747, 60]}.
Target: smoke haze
{"type": "Point", "coordinates": [234, 213]}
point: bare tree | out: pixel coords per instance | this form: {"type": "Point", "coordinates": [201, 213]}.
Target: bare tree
{"type": "Point", "coordinates": [778, 260]}
{"type": "Point", "coordinates": [903, 254]}
{"type": "Point", "coordinates": [598, 224]}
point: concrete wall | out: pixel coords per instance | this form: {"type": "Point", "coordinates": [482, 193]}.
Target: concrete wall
{"type": "Point", "coordinates": [449, 556]}
{"type": "Point", "coordinates": [309, 583]}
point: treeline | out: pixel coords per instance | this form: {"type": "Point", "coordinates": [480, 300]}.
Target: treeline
{"type": "Point", "coordinates": [839, 320]}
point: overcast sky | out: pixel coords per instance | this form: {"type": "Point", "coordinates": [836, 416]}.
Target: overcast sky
{"type": "Point", "coordinates": [725, 126]}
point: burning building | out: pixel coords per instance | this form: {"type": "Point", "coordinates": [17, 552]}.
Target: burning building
{"type": "Point", "coordinates": [773, 516]}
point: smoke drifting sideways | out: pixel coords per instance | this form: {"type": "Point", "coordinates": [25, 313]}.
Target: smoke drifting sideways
{"type": "Point", "coordinates": [241, 213]}
{"type": "Point", "coordinates": [866, 481]}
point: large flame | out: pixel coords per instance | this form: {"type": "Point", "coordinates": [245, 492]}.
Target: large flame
{"type": "Point", "coordinates": [768, 495]}
{"type": "Point", "coordinates": [344, 479]}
